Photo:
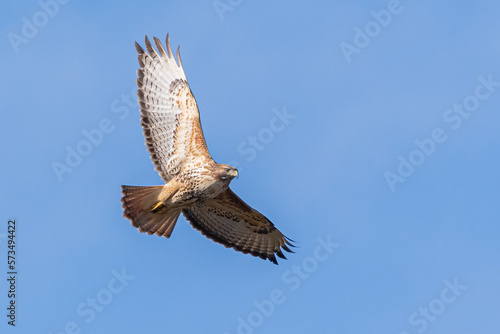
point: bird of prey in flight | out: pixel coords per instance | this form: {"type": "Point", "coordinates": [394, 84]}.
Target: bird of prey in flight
{"type": "Point", "coordinates": [195, 185]}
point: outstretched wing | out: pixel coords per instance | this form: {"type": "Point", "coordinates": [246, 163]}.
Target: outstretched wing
{"type": "Point", "coordinates": [229, 221]}
{"type": "Point", "coordinates": [169, 114]}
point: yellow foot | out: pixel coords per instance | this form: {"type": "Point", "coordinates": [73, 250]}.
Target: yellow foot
{"type": "Point", "coordinates": [157, 207]}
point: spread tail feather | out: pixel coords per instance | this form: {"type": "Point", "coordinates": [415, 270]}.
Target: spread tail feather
{"type": "Point", "coordinates": [141, 206]}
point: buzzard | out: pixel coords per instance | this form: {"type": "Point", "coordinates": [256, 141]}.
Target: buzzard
{"type": "Point", "coordinates": [195, 185]}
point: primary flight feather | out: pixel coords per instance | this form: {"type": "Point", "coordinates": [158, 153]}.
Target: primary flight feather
{"type": "Point", "coordinates": [196, 185]}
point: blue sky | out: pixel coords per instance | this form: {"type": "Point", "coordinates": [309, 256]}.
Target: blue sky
{"type": "Point", "coordinates": [385, 168]}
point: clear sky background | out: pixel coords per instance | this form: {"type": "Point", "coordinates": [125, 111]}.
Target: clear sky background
{"type": "Point", "coordinates": [385, 169]}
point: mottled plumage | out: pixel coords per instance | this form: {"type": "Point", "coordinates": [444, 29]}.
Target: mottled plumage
{"type": "Point", "coordinates": [195, 185]}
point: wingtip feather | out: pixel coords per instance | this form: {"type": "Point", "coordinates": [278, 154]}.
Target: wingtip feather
{"type": "Point", "coordinates": [139, 48]}
{"type": "Point", "coordinates": [179, 57]}
{"type": "Point", "coordinates": [149, 47]}
{"type": "Point", "coordinates": [272, 259]}
{"type": "Point", "coordinates": [160, 47]}
{"type": "Point", "coordinates": [169, 49]}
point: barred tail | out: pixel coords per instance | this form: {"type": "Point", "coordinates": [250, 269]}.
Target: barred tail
{"type": "Point", "coordinates": [141, 206]}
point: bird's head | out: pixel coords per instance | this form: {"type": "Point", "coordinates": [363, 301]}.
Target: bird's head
{"type": "Point", "coordinates": [226, 172]}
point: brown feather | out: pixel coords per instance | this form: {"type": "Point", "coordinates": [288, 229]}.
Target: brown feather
{"type": "Point", "coordinates": [231, 222]}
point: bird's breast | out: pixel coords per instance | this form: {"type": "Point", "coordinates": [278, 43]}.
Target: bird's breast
{"type": "Point", "coordinates": [199, 186]}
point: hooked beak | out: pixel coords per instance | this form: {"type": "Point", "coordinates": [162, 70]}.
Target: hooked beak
{"type": "Point", "coordinates": [233, 173]}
